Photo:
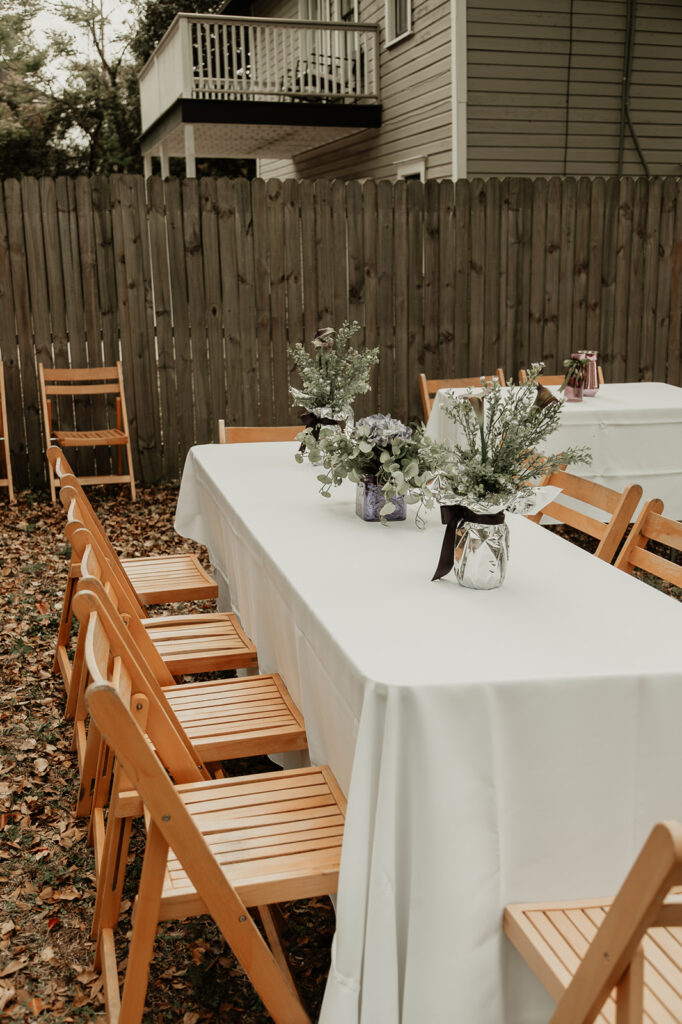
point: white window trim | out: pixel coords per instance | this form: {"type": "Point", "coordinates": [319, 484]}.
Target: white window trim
{"type": "Point", "coordinates": [411, 167]}
{"type": "Point", "coordinates": [392, 40]}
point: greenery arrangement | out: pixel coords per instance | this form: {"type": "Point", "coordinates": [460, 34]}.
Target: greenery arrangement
{"type": "Point", "coordinates": [500, 431]}
{"type": "Point", "coordinates": [576, 372]}
{"type": "Point", "coordinates": [335, 374]}
{"type": "Point", "coordinates": [402, 460]}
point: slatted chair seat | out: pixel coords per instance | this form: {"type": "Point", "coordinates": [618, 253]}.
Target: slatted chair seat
{"type": "Point", "coordinates": [201, 643]}
{"type": "Point", "coordinates": [84, 383]}
{"type": "Point", "coordinates": [617, 961]}
{"type": "Point", "coordinates": [271, 834]}
{"type": "Point", "coordinates": [429, 388]}
{"type": "Point", "coordinates": [166, 579]}
{"type": "Point", "coordinates": [619, 507]}
{"type": "Point", "coordinates": [560, 935]}
{"type": "Point", "coordinates": [76, 438]}
{"type": "Point", "coordinates": [237, 717]}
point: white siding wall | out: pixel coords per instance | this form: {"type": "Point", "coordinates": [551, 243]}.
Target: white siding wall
{"type": "Point", "coordinates": [518, 58]}
{"type": "Point", "coordinates": [415, 95]}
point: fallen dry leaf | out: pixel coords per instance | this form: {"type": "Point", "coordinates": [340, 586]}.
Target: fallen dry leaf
{"type": "Point", "coordinates": [7, 993]}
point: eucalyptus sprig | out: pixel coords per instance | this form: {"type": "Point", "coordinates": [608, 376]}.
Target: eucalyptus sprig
{"type": "Point", "coordinates": [402, 460]}
{"type": "Point", "coordinates": [334, 374]}
{"type": "Point", "coordinates": [502, 429]}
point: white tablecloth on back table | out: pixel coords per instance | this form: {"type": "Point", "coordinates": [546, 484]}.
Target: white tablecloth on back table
{"type": "Point", "coordinates": [496, 746]}
{"type": "Point", "coordinates": [633, 430]}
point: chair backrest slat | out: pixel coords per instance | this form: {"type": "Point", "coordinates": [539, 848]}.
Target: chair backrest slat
{"type": "Point", "coordinates": [620, 508]}
{"type": "Point", "coordinates": [83, 374]}
{"type": "Point", "coordinates": [428, 388]}
{"type": "Point", "coordinates": [82, 389]}
{"type": "Point", "coordinates": [652, 526]}
{"type": "Point", "coordinates": [248, 435]}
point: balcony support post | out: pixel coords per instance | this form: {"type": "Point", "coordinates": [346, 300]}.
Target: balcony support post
{"type": "Point", "coordinates": [147, 164]}
{"type": "Point", "coordinates": [190, 153]}
{"type": "Point", "coordinates": [163, 153]}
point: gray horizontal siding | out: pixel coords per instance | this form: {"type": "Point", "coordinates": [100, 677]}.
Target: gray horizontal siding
{"type": "Point", "coordinates": [517, 64]}
{"type": "Point", "coordinates": [416, 102]}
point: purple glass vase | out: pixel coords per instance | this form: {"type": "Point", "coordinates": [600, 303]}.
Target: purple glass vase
{"type": "Point", "coordinates": [369, 500]}
{"type": "Point", "coordinates": [591, 385]}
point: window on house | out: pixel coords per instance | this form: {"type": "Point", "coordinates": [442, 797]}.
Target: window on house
{"type": "Point", "coordinates": [329, 10]}
{"type": "Point", "coordinates": [398, 20]}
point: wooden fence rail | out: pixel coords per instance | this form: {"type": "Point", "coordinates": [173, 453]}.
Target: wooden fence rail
{"type": "Point", "coordinates": [200, 286]}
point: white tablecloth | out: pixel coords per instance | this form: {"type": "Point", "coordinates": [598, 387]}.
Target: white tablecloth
{"type": "Point", "coordinates": [496, 746]}
{"type": "Point", "coordinates": [633, 430]}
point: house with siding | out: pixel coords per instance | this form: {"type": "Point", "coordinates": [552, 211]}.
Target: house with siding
{"type": "Point", "coordinates": [421, 88]}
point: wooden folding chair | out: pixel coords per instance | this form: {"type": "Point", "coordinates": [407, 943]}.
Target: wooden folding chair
{"type": "Point", "coordinates": [5, 481]}
{"type": "Point", "coordinates": [207, 642]}
{"type": "Point", "coordinates": [104, 380]}
{"type": "Point", "coordinates": [245, 435]}
{"type": "Point", "coordinates": [213, 847]}
{"type": "Point", "coordinates": [652, 526]}
{"type": "Point", "coordinates": [158, 579]}
{"type": "Point", "coordinates": [558, 378]}
{"type": "Point", "coordinates": [620, 508]}
{"type": "Point", "coordinates": [199, 723]}
{"type": "Point", "coordinates": [428, 388]}
{"type": "Point", "coordinates": [618, 960]}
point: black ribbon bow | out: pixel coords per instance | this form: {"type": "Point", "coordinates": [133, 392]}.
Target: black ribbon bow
{"type": "Point", "coordinates": [451, 516]}
{"type": "Point", "coordinates": [311, 421]}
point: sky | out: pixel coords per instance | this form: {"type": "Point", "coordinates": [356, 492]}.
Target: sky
{"type": "Point", "coordinates": [118, 13]}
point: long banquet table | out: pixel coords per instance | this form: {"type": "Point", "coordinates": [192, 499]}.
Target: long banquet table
{"type": "Point", "coordinates": [497, 746]}
{"type": "Point", "coordinates": [634, 432]}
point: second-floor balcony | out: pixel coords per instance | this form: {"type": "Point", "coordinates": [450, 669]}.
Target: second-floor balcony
{"type": "Point", "coordinates": [258, 86]}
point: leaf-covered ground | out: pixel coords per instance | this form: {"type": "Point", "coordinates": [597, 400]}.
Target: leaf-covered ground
{"type": "Point", "coordinates": [46, 867]}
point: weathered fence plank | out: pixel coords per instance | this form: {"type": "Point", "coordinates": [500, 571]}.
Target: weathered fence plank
{"type": "Point", "coordinates": [201, 287]}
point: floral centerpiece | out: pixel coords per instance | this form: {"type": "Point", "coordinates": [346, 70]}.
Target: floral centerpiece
{"type": "Point", "coordinates": [497, 461]}
{"type": "Point", "coordinates": [576, 374]}
{"type": "Point", "coordinates": [392, 464]}
{"type": "Point", "coordinates": [331, 377]}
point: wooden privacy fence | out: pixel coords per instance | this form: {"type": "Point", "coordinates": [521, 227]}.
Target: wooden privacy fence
{"type": "Point", "coordinates": [201, 285]}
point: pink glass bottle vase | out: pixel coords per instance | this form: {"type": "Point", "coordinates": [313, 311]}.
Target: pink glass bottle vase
{"type": "Point", "coordinates": [591, 385]}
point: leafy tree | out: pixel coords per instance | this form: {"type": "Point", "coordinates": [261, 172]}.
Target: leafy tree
{"type": "Point", "coordinates": [27, 114]}
{"type": "Point", "coordinates": [155, 16]}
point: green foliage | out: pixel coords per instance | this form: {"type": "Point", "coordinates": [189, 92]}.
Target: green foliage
{"type": "Point", "coordinates": [26, 109]}
{"type": "Point", "coordinates": [501, 431]}
{"type": "Point", "coordinates": [402, 460]}
{"type": "Point", "coordinates": [335, 374]}
{"type": "Point", "coordinates": [155, 17]}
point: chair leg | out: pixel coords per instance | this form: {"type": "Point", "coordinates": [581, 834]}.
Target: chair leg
{"type": "Point", "coordinates": [64, 631]}
{"type": "Point", "coordinates": [112, 873]}
{"type": "Point", "coordinates": [271, 924]}
{"type": "Point", "coordinates": [630, 991]}
{"type": "Point", "coordinates": [145, 924]}
{"type": "Point", "coordinates": [53, 489]}
{"type": "Point", "coordinates": [133, 493]}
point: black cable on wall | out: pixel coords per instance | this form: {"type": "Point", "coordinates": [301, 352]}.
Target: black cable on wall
{"type": "Point", "coordinates": [569, 63]}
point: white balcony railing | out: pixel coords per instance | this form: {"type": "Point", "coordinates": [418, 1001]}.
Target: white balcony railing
{"type": "Point", "coordinates": [222, 58]}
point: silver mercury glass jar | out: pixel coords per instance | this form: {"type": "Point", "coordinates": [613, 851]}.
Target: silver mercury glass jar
{"type": "Point", "coordinates": [481, 555]}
